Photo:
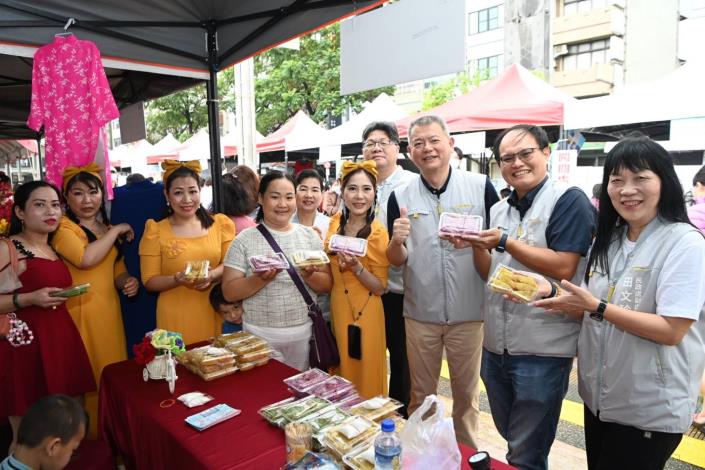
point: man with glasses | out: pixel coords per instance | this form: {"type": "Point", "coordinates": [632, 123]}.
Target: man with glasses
{"type": "Point", "coordinates": [443, 294]}
{"type": "Point", "coordinates": [544, 227]}
{"type": "Point", "coordinates": [380, 142]}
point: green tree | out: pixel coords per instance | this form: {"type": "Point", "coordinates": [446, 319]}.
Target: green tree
{"type": "Point", "coordinates": [448, 90]}
{"type": "Point", "coordinates": [308, 79]}
{"type": "Point", "coordinates": [185, 112]}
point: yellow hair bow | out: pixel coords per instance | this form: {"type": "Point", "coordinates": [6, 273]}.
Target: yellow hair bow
{"type": "Point", "coordinates": [71, 171]}
{"type": "Point", "coordinates": [368, 165]}
{"type": "Point", "coordinates": [170, 166]}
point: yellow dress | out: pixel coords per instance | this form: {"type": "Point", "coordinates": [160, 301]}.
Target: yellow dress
{"type": "Point", "coordinates": [96, 313]}
{"type": "Point", "coordinates": [369, 374]}
{"type": "Point", "coordinates": [183, 309]}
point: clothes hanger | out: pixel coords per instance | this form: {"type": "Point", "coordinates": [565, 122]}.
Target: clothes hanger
{"type": "Point", "coordinates": [66, 28]}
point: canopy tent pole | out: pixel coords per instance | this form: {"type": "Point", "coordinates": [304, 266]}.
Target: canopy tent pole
{"type": "Point", "coordinates": [213, 126]}
{"type": "Point", "coordinates": [39, 157]}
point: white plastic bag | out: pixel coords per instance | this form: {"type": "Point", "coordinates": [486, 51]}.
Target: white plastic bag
{"type": "Point", "coordinates": [430, 443]}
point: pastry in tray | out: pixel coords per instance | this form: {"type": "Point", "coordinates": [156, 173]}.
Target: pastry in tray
{"type": "Point", "coordinates": [262, 263]}
{"type": "Point", "coordinates": [207, 359]}
{"type": "Point", "coordinates": [300, 409]}
{"type": "Point", "coordinates": [321, 422]}
{"type": "Point", "coordinates": [273, 413]}
{"type": "Point", "coordinates": [506, 280]}
{"type": "Point", "coordinates": [300, 383]}
{"type": "Point", "coordinates": [348, 245]}
{"type": "Point", "coordinates": [376, 408]}
{"type": "Point", "coordinates": [352, 432]}
{"type": "Point", "coordinates": [459, 225]}
{"type": "Point", "coordinates": [309, 258]}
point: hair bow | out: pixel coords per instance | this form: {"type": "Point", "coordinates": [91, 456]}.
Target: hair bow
{"type": "Point", "coordinates": [170, 166]}
{"type": "Point", "coordinates": [368, 165]}
{"type": "Point", "coordinates": [71, 171]}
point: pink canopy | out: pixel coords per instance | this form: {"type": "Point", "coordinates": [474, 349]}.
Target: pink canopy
{"type": "Point", "coordinates": [516, 96]}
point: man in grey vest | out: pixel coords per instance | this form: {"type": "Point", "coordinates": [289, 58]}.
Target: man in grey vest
{"type": "Point", "coordinates": [380, 142]}
{"type": "Point", "coordinates": [544, 227]}
{"type": "Point", "coordinates": [443, 294]}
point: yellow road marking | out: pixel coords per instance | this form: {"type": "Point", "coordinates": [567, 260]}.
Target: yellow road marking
{"type": "Point", "coordinates": [690, 450]}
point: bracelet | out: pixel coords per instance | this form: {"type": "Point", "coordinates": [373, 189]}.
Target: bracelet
{"type": "Point", "coordinates": [554, 291]}
{"type": "Point", "coordinates": [359, 271]}
{"type": "Point", "coordinates": [16, 300]}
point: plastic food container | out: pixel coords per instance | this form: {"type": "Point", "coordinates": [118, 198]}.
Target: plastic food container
{"type": "Point", "coordinates": [376, 408]}
{"type": "Point", "coordinates": [266, 262]}
{"type": "Point", "coordinates": [349, 245]}
{"type": "Point", "coordinates": [352, 432]}
{"type": "Point", "coordinates": [506, 280]}
{"type": "Point", "coordinates": [300, 383]}
{"type": "Point", "coordinates": [304, 258]}
{"type": "Point", "coordinates": [459, 225]}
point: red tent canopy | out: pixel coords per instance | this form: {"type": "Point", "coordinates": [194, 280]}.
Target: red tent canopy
{"type": "Point", "coordinates": [516, 96]}
{"type": "Point", "coordinates": [299, 127]}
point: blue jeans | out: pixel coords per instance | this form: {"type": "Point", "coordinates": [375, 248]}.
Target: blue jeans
{"type": "Point", "coordinates": [525, 395]}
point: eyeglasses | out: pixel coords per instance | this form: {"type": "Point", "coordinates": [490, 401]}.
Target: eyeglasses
{"type": "Point", "coordinates": [523, 155]}
{"type": "Point", "coordinates": [383, 143]}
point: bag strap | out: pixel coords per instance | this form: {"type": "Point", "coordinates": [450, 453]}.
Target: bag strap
{"type": "Point", "coordinates": [14, 262]}
{"type": "Point", "coordinates": [292, 272]}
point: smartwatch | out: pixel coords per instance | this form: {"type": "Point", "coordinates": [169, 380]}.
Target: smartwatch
{"type": "Point", "coordinates": [502, 245]}
{"type": "Point", "coordinates": [599, 314]}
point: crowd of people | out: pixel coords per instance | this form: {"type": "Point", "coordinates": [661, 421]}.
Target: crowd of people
{"type": "Point", "coordinates": [620, 287]}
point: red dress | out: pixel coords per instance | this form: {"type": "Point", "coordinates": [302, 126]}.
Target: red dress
{"type": "Point", "coordinates": [56, 361]}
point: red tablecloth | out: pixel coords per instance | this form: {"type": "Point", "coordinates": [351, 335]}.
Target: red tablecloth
{"type": "Point", "coordinates": [150, 437]}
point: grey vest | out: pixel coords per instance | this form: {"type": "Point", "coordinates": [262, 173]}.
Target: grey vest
{"type": "Point", "coordinates": [441, 284]}
{"type": "Point", "coordinates": [519, 328]}
{"type": "Point", "coordinates": [628, 379]}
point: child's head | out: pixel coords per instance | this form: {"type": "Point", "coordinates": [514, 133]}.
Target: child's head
{"type": "Point", "coordinates": [52, 429]}
{"type": "Point", "coordinates": [230, 311]}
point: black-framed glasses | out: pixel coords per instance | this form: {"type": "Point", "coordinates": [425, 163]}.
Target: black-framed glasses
{"type": "Point", "coordinates": [524, 155]}
{"type": "Point", "coordinates": [383, 143]}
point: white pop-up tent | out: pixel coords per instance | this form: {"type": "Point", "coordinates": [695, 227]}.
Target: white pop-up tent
{"type": "Point", "coordinates": [381, 108]}
{"type": "Point", "coordinates": [677, 95]}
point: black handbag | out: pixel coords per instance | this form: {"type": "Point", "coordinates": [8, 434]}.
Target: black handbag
{"type": "Point", "coordinates": [323, 349]}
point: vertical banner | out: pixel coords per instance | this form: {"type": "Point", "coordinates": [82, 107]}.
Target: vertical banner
{"type": "Point", "coordinates": [563, 165]}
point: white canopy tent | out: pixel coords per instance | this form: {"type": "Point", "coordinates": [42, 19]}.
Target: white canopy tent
{"type": "Point", "coordinates": [677, 95]}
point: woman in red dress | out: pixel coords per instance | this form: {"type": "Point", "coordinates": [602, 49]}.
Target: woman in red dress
{"type": "Point", "coordinates": [55, 361]}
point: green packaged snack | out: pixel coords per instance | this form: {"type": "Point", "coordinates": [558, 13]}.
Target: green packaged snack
{"type": "Point", "coordinates": [72, 291]}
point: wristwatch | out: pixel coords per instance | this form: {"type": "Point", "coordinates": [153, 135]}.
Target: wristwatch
{"type": "Point", "coordinates": [599, 314]}
{"type": "Point", "coordinates": [502, 245]}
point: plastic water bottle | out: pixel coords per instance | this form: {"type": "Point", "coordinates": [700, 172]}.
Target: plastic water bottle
{"type": "Point", "coordinates": [388, 448]}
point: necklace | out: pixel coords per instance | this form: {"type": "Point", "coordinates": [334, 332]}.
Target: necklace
{"type": "Point", "coordinates": [347, 297]}
{"type": "Point", "coordinates": [32, 248]}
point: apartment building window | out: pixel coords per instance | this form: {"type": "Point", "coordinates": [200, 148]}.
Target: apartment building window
{"type": "Point", "coordinates": [586, 54]}
{"type": "Point", "coordinates": [486, 20]}
{"type": "Point", "coordinates": [571, 7]}
{"type": "Point", "coordinates": [486, 67]}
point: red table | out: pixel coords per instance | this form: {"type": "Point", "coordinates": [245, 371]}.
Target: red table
{"type": "Point", "coordinates": [150, 437]}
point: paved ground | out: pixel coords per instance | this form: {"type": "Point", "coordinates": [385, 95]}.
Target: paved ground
{"type": "Point", "coordinates": [568, 451]}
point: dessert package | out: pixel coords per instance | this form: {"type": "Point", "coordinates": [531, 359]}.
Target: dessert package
{"type": "Point", "coordinates": [312, 461]}
{"type": "Point", "coordinates": [300, 383]}
{"type": "Point", "coordinates": [506, 280]}
{"type": "Point", "coordinates": [320, 422]}
{"type": "Point", "coordinates": [361, 457]}
{"type": "Point", "coordinates": [333, 388]}
{"type": "Point", "coordinates": [352, 432]}
{"type": "Point", "coordinates": [304, 258]}
{"type": "Point", "coordinates": [348, 245]}
{"type": "Point", "coordinates": [262, 263]}
{"type": "Point", "coordinates": [212, 416]}
{"type": "Point", "coordinates": [376, 408]}
{"type": "Point", "coordinates": [74, 291]}
{"type": "Point", "coordinates": [273, 413]}
{"type": "Point", "coordinates": [459, 225]}
{"type": "Point", "coordinates": [196, 270]}
{"type": "Point", "coordinates": [300, 409]}
{"type": "Point", "coordinates": [223, 341]}
{"type": "Point", "coordinates": [350, 400]}
{"type": "Point", "coordinates": [209, 362]}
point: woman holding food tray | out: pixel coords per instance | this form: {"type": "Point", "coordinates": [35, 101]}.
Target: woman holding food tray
{"type": "Point", "coordinates": [274, 308]}
{"type": "Point", "coordinates": [90, 248]}
{"type": "Point", "coordinates": [642, 308]}
{"type": "Point", "coordinates": [181, 256]}
{"type": "Point", "coordinates": [359, 279]}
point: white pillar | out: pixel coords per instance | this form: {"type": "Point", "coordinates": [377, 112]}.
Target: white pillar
{"type": "Point", "coordinates": [245, 114]}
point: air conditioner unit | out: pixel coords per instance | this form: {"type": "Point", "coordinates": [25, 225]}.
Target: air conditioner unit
{"type": "Point", "coordinates": [560, 50]}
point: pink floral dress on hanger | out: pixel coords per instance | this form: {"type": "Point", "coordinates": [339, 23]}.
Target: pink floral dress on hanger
{"type": "Point", "coordinates": [72, 99]}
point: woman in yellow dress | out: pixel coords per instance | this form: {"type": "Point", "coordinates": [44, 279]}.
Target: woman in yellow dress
{"type": "Point", "coordinates": [358, 283]}
{"type": "Point", "coordinates": [88, 245]}
{"type": "Point", "coordinates": [188, 233]}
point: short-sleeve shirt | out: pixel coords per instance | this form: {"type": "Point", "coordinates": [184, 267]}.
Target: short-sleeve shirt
{"type": "Point", "coordinates": [279, 303]}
